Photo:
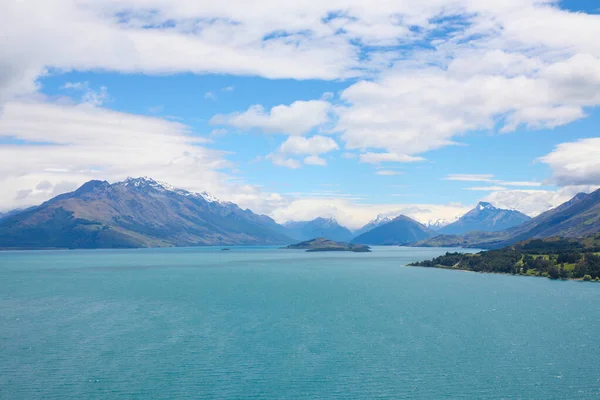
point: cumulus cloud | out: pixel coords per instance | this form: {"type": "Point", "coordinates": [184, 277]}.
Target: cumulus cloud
{"type": "Point", "coordinates": [77, 142]}
{"type": "Point", "coordinates": [298, 118]}
{"type": "Point", "coordinates": [299, 145]}
{"type": "Point", "coordinates": [575, 163]}
{"type": "Point", "coordinates": [315, 160]}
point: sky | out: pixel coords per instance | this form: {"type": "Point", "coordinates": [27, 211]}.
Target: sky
{"type": "Point", "coordinates": [344, 109]}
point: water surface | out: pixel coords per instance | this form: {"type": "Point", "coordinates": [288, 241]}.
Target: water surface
{"type": "Point", "coordinates": [264, 323]}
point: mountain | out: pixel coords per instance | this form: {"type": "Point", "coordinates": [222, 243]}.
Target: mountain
{"type": "Point", "coordinates": [137, 212]}
{"type": "Point", "coordinates": [578, 217]}
{"type": "Point", "coordinates": [14, 211]}
{"type": "Point", "coordinates": [401, 230]}
{"type": "Point", "coordinates": [380, 220]}
{"type": "Point", "coordinates": [437, 224]}
{"type": "Point", "coordinates": [487, 218]}
{"type": "Point", "coordinates": [321, 227]}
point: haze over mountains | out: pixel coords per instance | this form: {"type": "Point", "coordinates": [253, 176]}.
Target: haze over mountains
{"type": "Point", "coordinates": [142, 212]}
{"type": "Point", "coordinates": [320, 227]}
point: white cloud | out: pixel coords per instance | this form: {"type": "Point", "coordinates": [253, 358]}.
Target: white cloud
{"type": "Point", "coordinates": [387, 172]}
{"type": "Point", "coordinates": [299, 145]}
{"type": "Point", "coordinates": [210, 96]}
{"type": "Point", "coordinates": [575, 163]}
{"type": "Point", "coordinates": [298, 118]}
{"type": "Point", "coordinates": [486, 188]}
{"type": "Point", "coordinates": [533, 202]}
{"type": "Point", "coordinates": [470, 177]}
{"type": "Point", "coordinates": [314, 145]}
{"type": "Point", "coordinates": [378, 158]}
{"type": "Point", "coordinates": [489, 178]}
{"type": "Point", "coordinates": [230, 88]}
{"type": "Point", "coordinates": [283, 161]}
{"type": "Point", "coordinates": [315, 160]}
{"type": "Point", "coordinates": [88, 95]}
{"type": "Point", "coordinates": [68, 144]}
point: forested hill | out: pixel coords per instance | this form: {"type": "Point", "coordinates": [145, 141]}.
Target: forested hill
{"type": "Point", "coordinates": [555, 258]}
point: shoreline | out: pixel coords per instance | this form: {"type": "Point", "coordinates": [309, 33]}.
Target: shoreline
{"type": "Point", "coordinates": [504, 273]}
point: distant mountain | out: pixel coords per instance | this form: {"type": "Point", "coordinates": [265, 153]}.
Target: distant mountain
{"type": "Point", "coordinates": [401, 230]}
{"type": "Point", "coordinates": [327, 228]}
{"type": "Point", "coordinates": [487, 218]}
{"type": "Point", "coordinates": [578, 217]}
{"type": "Point", "coordinates": [437, 224]}
{"type": "Point", "coordinates": [380, 220]}
{"type": "Point", "coordinates": [137, 212]}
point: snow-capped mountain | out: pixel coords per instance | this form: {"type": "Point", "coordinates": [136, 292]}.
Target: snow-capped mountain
{"type": "Point", "coordinates": [439, 223]}
{"type": "Point", "coordinates": [165, 187]}
{"type": "Point", "coordinates": [487, 218]}
{"type": "Point", "coordinates": [138, 212]}
{"type": "Point", "coordinates": [374, 223]}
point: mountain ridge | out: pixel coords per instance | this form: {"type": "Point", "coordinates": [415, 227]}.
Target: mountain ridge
{"type": "Point", "coordinates": [401, 230]}
{"type": "Point", "coordinates": [577, 217]}
{"type": "Point", "coordinates": [137, 212]}
{"type": "Point", "coordinates": [485, 218]}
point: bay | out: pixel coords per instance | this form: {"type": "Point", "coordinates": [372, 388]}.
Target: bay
{"type": "Point", "coordinates": [266, 323]}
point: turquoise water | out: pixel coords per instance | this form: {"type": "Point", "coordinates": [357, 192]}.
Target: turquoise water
{"type": "Point", "coordinates": [263, 323]}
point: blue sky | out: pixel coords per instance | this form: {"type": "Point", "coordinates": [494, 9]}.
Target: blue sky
{"type": "Point", "coordinates": [293, 113]}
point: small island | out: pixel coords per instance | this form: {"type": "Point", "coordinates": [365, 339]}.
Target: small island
{"type": "Point", "coordinates": [322, 244]}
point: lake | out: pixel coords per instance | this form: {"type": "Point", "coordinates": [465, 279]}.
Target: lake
{"type": "Point", "coordinates": [266, 323]}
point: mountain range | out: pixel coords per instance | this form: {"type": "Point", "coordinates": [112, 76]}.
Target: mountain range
{"type": "Point", "coordinates": [578, 217]}
{"type": "Point", "coordinates": [142, 212]}
{"type": "Point", "coordinates": [485, 217]}
{"type": "Point", "coordinates": [137, 212]}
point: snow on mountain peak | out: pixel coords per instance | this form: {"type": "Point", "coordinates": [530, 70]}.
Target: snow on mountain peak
{"type": "Point", "coordinates": [166, 187]}
{"type": "Point", "coordinates": [381, 219]}
{"type": "Point", "coordinates": [485, 206]}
